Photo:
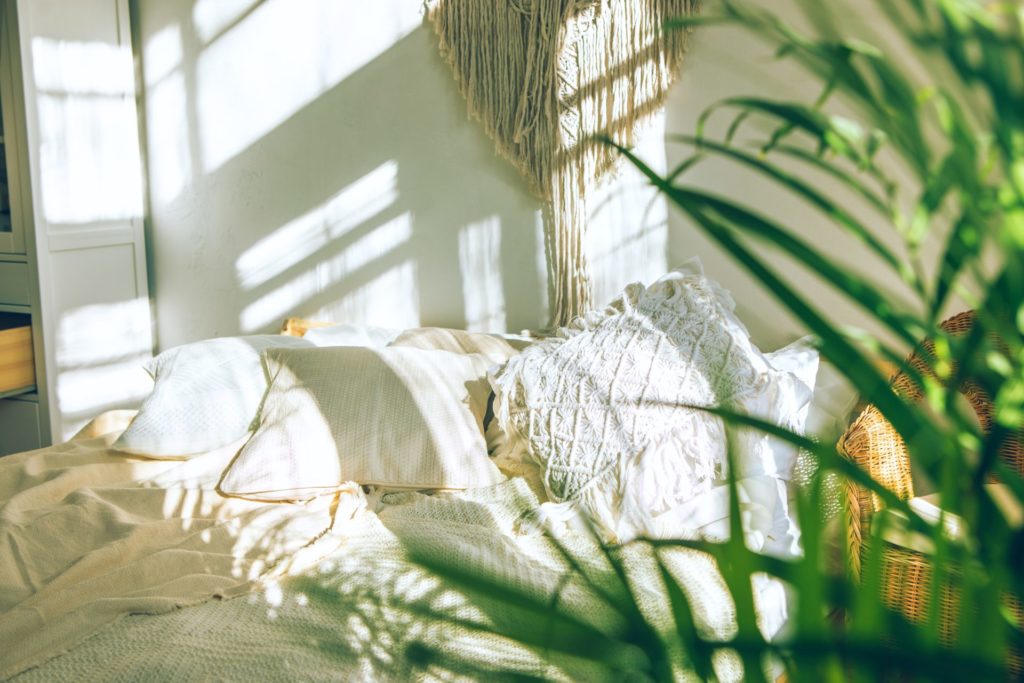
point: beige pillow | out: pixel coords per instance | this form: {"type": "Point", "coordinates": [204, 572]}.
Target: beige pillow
{"type": "Point", "coordinates": [495, 348]}
{"type": "Point", "coordinates": [390, 417]}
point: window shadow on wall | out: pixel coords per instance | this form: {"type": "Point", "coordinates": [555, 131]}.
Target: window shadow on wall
{"type": "Point", "coordinates": [365, 204]}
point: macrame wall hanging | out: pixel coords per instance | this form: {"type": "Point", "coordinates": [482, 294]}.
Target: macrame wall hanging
{"type": "Point", "coordinates": [546, 78]}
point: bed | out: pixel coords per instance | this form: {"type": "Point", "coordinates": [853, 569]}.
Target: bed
{"type": "Point", "coordinates": [130, 567]}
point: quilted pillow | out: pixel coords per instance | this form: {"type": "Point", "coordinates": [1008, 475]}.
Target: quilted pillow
{"type": "Point", "coordinates": [602, 407]}
{"type": "Point", "coordinates": [205, 396]}
{"type": "Point", "coordinates": [389, 417]}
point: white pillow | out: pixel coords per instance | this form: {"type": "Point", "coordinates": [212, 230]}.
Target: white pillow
{"type": "Point", "coordinates": [205, 396]}
{"type": "Point", "coordinates": [601, 407]}
{"type": "Point", "coordinates": [834, 400]}
{"type": "Point", "coordinates": [496, 348]}
{"type": "Point", "coordinates": [785, 401]}
{"type": "Point", "coordinates": [351, 335]}
{"type": "Point", "coordinates": [391, 417]}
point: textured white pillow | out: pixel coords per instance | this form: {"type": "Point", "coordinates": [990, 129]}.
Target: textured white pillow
{"type": "Point", "coordinates": [602, 407]}
{"type": "Point", "coordinates": [205, 396]}
{"type": "Point", "coordinates": [391, 417]}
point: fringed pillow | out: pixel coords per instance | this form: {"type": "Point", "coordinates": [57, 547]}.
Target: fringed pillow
{"type": "Point", "coordinates": [605, 408]}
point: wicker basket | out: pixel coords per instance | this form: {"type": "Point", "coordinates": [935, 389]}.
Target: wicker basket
{"type": "Point", "coordinates": [873, 444]}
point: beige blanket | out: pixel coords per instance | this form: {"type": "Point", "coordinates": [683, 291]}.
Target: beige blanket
{"type": "Point", "coordinates": [88, 535]}
{"type": "Point", "coordinates": [92, 538]}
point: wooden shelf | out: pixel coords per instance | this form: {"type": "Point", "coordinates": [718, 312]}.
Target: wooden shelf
{"type": "Point", "coordinates": [17, 366]}
{"type": "Point", "coordinates": [17, 392]}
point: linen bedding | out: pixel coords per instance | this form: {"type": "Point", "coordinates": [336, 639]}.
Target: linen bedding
{"type": "Point", "coordinates": [116, 567]}
{"type": "Point", "coordinates": [90, 535]}
{"type": "Point", "coordinates": [152, 566]}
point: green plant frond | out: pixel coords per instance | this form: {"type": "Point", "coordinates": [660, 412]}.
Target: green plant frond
{"type": "Point", "coordinates": [734, 126]}
{"type": "Point", "coordinates": [529, 601]}
{"type": "Point", "coordinates": [814, 597]}
{"type": "Point", "coordinates": [803, 189]}
{"type": "Point", "coordinates": [441, 665]}
{"type": "Point", "coordinates": [931, 140]}
{"type": "Point", "coordinates": [870, 84]}
{"type": "Point", "coordinates": [859, 291]}
{"type": "Point", "coordinates": [883, 204]}
{"type": "Point", "coordinates": [827, 457]}
{"type": "Point", "coordinates": [821, 18]}
{"type": "Point", "coordinates": [738, 570]}
{"type": "Point", "coordinates": [794, 115]}
{"type": "Point", "coordinates": [640, 629]}
{"type": "Point", "coordinates": [878, 658]}
{"type": "Point", "coordinates": [685, 166]}
{"type": "Point", "coordinates": [897, 107]}
{"type": "Point", "coordinates": [963, 246]}
{"type": "Point", "coordinates": [698, 654]}
{"type": "Point", "coordinates": [835, 346]}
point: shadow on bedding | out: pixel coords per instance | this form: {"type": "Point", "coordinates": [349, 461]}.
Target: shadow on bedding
{"type": "Point", "coordinates": [468, 586]}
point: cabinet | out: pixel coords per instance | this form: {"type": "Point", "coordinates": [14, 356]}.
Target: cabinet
{"type": "Point", "coordinates": [12, 233]}
{"type": "Point", "coordinates": [21, 425]}
{"type": "Point", "coordinates": [72, 247]}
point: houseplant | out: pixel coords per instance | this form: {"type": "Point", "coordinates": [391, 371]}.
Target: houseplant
{"type": "Point", "coordinates": [947, 119]}
{"type": "Point", "coordinates": [930, 149]}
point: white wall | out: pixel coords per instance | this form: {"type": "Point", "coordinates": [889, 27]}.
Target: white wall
{"type": "Point", "coordinates": [313, 157]}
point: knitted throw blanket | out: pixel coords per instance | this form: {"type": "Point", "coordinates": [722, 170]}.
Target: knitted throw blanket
{"type": "Point", "coordinates": [547, 79]}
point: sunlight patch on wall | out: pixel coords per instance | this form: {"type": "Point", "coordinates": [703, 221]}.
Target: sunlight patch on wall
{"type": "Point", "coordinates": [311, 232]}
{"type": "Point", "coordinates": [315, 45]}
{"type": "Point", "coordinates": [540, 263]}
{"type": "Point", "coordinates": [98, 370]}
{"type": "Point", "coordinates": [480, 266]}
{"type": "Point", "coordinates": [81, 68]}
{"type": "Point", "coordinates": [211, 17]}
{"type": "Point", "coordinates": [628, 228]}
{"type": "Point", "coordinates": [86, 335]}
{"type": "Point", "coordinates": [91, 170]}
{"type": "Point", "coordinates": [327, 274]}
{"type": "Point", "coordinates": [389, 300]}
{"type": "Point", "coordinates": [85, 393]}
{"type": "Point", "coordinates": [162, 54]}
{"type": "Point", "coordinates": [170, 161]}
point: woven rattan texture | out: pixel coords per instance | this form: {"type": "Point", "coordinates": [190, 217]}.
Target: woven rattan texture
{"type": "Point", "coordinates": [873, 444]}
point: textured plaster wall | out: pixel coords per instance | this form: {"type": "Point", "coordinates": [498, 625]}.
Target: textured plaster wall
{"type": "Point", "coordinates": [315, 158]}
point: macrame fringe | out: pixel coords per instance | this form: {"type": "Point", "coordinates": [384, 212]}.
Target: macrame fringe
{"type": "Point", "coordinates": [548, 79]}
